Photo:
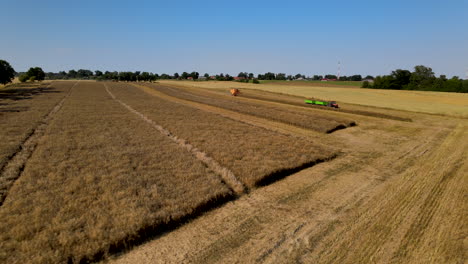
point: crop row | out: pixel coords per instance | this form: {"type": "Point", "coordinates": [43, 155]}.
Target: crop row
{"type": "Point", "coordinates": [254, 154]}
{"type": "Point", "coordinates": [309, 119]}
{"type": "Point", "coordinates": [22, 109]}
{"type": "Point", "coordinates": [98, 179]}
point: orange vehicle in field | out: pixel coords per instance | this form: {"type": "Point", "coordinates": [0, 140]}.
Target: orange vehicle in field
{"type": "Point", "coordinates": [234, 91]}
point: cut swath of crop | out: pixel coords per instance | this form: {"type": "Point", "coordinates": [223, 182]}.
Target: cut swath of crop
{"type": "Point", "coordinates": [99, 181]}
{"type": "Point", "coordinates": [299, 101]}
{"type": "Point", "coordinates": [253, 154]}
{"type": "Point", "coordinates": [22, 108]}
{"type": "Point", "coordinates": [313, 120]}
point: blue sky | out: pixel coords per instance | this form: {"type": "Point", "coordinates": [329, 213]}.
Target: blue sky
{"type": "Point", "coordinates": [309, 37]}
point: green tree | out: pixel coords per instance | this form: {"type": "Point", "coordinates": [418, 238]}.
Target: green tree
{"type": "Point", "coordinates": [401, 79]}
{"type": "Point", "coordinates": [453, 85]}
{"type": "Point", "coordinates": [37, 73]}
{"type": "Point", "coordinates": [464, 86]}
{"type": "Point", "coordinates": [280, 76]}
{"type": "Point", "coordinates": [98, 73]}
{"type": "Point", "coordinates": [84, 74]}
{"type": "Point", "coordinates": [243, 75]}
{"type": "Point", "coordinates": [23, 77]}
{"type": "Point", "coordinates": [7, 73]}
{"type": "Point", "coordinates": [145, 76]}
{"type": "Point", "coordinates": [357, 77]}
{"type": "Point", "coordinates": [194, 75]}
{"type": "Point", "coordinates": [422, 78]}
{"type": "Point", "coordinates": [72, 74]}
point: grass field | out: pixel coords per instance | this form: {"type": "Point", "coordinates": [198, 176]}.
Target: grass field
{"type": "Point", "coordinates": [452, 104]}
{"type": "Point", "coordinates": [171, 173]}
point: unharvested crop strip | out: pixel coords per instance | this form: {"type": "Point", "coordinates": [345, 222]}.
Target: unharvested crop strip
{"type": "Point", "coordinates": [226, 174]}
{"type": "Point", "coordinates": [323, 123]}
{"type": "Point", "coordinates": [14, 167]}
{"type": "Point", "coordinates": [270, 125]}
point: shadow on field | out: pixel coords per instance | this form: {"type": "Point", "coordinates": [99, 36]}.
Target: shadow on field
{"type": "Point", "coordinates": [151, 232]}
{"type": "Point", "coordinates": [281, 174]}
{"type": "Point", "coordinates": [24, 92]}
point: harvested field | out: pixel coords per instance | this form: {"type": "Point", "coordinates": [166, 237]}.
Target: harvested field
{"type": "Point", "coordinates": [24, 113]}
{"type": "Point", "coordinates": [22, 108]}
{"type": "Point", "coordinates": [255, 155]}
{"type": "Point", "coordinates": [314, 120]}
{"type": "Point", "coordinates": [113, 170]}
{"type": "Point", "coordinates": [442, 103]}
{"type": "Point", "coordinates": [299, 101]}
{"type": "Point", "coordinates": [100, 179]}
{"type": "Point", "coordinates": [397, 194]}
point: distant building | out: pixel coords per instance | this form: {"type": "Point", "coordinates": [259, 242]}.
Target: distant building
{"type": "Point", "coordinates": [327, 80]}
{"type": "Point", "coordinates": [212, 77]}
{"type": "Point", "coordinates": [239, 78]}
{"type": "Point", "coordinates": [190, 78]}
{"type": "Point", "coordinates": [202, 78]}
{"type": "Point", "coordinates": [368, 80]}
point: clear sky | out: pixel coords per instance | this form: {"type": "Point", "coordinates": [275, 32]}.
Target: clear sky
{"type": "Point", "coordinates": [309, 37]}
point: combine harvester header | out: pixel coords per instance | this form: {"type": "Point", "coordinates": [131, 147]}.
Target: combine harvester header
{"type": "Point", "coordinates": [323, 103]}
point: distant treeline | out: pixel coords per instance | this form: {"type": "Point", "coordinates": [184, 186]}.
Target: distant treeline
{"type": "Point", "coordinates": [148, 76]}
{"type": "Point", "coordinates": [421, 79]}
{"type": "Point", "coordinates": [284, 77]}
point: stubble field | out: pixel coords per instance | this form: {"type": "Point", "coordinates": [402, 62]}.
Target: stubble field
{"type": "Point", "coordinates": [171, 173]}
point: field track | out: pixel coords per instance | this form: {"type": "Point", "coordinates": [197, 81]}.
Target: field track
{"type": "Point", "coordinates": [227, 175]}
{"type": "Point", "coordinates": [256, 155]}
{"type": "Point", "coordinates": [248, 119]}
{"type": "Point", "coordinates": [320, 121]}
{"type": "Point", "coordinates": [270, 98]}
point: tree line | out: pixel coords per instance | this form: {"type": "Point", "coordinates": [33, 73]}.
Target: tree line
{"type": "Point", "coordinates": [148, 76]}
{"type": "Point", "coordinates": [7, 73]}
{"type": "Point", "coordinates": [421, 79]}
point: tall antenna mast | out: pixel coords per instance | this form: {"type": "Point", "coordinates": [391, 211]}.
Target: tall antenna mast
{"type": "Point", "coordinates": [339, 69]}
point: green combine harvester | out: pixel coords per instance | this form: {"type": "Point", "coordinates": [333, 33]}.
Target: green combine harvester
{"type": "Point", "coordinates": [323, 103]}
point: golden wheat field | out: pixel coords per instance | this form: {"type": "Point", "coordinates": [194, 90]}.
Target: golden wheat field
{"type": "Point", "coordinates": [454, 104]}
{"type": "Point", "coordinates": [182, 172]}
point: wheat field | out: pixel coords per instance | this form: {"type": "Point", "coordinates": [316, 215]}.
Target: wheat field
{"type": "Point", "coordinates": [453, 104]}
